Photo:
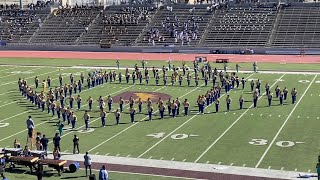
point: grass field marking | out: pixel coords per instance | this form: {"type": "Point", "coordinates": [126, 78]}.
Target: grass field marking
{"type": "Point", "coordinates": [233, 124]}
{"type": "Point", "coordinates": [244, 165]}
{"type": "Point", "coordinates": [29, 77]}
{"type": "Point", "coordinates": [162, 139]}
{"type": "Point", "coordinates": [9, 68]}
{"type": "Point", "coordinates": [284, 123]}
{"type": "Point", "coordinates": [13, 116]}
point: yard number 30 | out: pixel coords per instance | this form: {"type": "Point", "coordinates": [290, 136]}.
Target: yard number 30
{"type": "Point", "coordinates": [261, 142]}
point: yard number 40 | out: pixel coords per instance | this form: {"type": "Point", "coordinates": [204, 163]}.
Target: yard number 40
{"type": "Point", "coordinates": [261, 142]}
{"type": "Point", "coordinates": [174, 136]}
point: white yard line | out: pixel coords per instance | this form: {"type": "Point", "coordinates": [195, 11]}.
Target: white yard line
{"type": "Point", "coordinates": [284, 123]}
{"type": "Point", "coordinates": [8, 68]}
{"type": "Point", "coordinates": [18, 74]}
{"type": "Point", "coordinates": [232, 124]}
{"type": "Point", "coordinates": [28, 78]}
{"type": "Point", "coordinates": [162, 139]}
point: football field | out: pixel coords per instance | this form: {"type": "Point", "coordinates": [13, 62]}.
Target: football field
{"type": "Point", "coordinates": [280, 137]}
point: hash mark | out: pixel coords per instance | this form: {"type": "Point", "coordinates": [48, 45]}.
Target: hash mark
{"type": "Point", "coordinates": [117, 155]}
{"type": "Point", "coordinates": [234, 113]}
{"type": "Point", "coordinates": [172, 159]}
{"type": "Point", "coordinates": [225, 113]}
{"type": "Point", "coordinates": [308, 117]}
{"type": "Point", "coordinates": [219, 163]}
{"type": "Point", "coordinates": [317, 117]}
{"type": "Point", "coordinates": [96, 153]}
{"type": "Point", "coordinates": [270, 115]}
{"type": "Point", "coordinates": [184, 160]}
{"type": "Point", "coordinates": [251, 114]}
{"type": "Point", "coordinates": [295, 169]}
{"type": "Point", "coordinates": [269, 167]}
{"type": "Point", "coordinates": [231, 164]}
{"type": "Point", "coordinates": [298, 116]}
{"type": "Point", "coordinates": [150, 157]}
{"type": "Point", "coordinates": [161, 158]}
{"type": "Point", "coordinates": [279, 116]}
{"type": "Point", "coordinates": [309, 170]}
{"type": "Point", "coordinates": [107, 154]}
{"type": "Point", "coordinates": [244, 165]}
{"type": "Point", "coordinates": [207, 162]}
{"type": "Point", "coordinates": [66, 151]}
{"type": "Point", "coordinates": [260, 114]}
{"type": "Point", "coordinates": [129, 155]}
{"type": "Point", "coordinates": [282, 168]}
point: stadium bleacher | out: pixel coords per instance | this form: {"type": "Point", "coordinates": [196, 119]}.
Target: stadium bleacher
{"type": "Point", "coordinates": [241, 26]}
{"type": "Point", "coordinates": [64, 26]}
{"type": "Point", "coordinates": [118, 25]}
{"type": "Point", "coordinates": [298, 27]}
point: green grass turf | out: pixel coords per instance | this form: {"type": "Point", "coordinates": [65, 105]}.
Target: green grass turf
{"type": "Point", "coordinates": [131, 139]}
{"type": "Point", "coordinates": [129, 63]}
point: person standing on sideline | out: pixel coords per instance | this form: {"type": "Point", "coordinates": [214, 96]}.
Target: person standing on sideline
{"type": "Point", "coordinates": [76, 144]}
{"type": "Point", "coordinates": [56, 141]}
{"type": "Point", "coordinates": [30, 127]}
{"type": "Point", "coordinates": [103, 174]}
{"type": "Point", "coordinates": [87, 163]}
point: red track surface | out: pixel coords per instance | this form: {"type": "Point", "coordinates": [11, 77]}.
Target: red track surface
{"type": "Point", "coordinates": [161, 56]}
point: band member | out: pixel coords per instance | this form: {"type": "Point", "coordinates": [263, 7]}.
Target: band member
{"type": "Point", "coordinates": [186, 105]}
{"type": "Point", "coordinates": [172, 80]}
{"type": "Point", "coordinates": [180, 79]}
{"type": "Point", "coordinates": [255, 99]}
{"type": "Point", "coordinates": [267, 89]}
{"type": "Point", "coordinates": [149, 102]}
{"type": "Point", "coordinates": [49, 81]}
{"type": "Point", "coordinates": [161, 110]}
{"type": "Point", "coordinates": [174, 108]}
{"type": "Point", "coordinates": [150, 111]}
{"type": "Point", "coordinates": [103, 116]}
{"type": "Point", "coordinates": [157, 79]}
{"type": "Point", "coordinates": [120, 77]}
{"type": "Point", "coordinates": [60, 80]}
{"type": "Point", "coordinates": [117, 114]}
{"type": "Point", "coordinates": [277, 90]}
{"type": "Point", "coordinates": [132, 112]}
{"type": "Point", "coordinates": [281, 98]}
{"type": "Point", "coordinates": [241, 101]}
{"type": "Point", "coordinates": [131, 102]}
{"type": "Point", "coordinates": [71, 100]}
{"type": "Point", "coordinates": [88, 82]}
{"type": "Point", "coordinates": [217, 103]}
{"type": "Point", "coordinates": [285, 93]}
{"type": "Point", "coordinates": [269, 98]}
{"type": "Point", "coordinates": [64, 113]}
{"type": "Point", "coordinates": [36, 82]}
{"type": "Point", "coordinates": [228, 101]}
{"type": "Point", "coordinates": [294, 95]}
{"type": "Point", "coordinates": [258, 85]}
{"type": "Point", "coordinates": [73, 118]}
{"type": "Point", "coordinates": [164, 79]}
{"type": "Point", "coordinates": [197, 78]}
{"type": "Point", "coordinates": [68, 115]}
{"type": "Point", "coordinates": [140, 105]}
{"type": "Point", "coordinates": [53, 108]}
{"type": "Point", "coordinates": [75, 86]}
{"type": "Point", "coordinates": [79, 102]}
{"type": "Point", "coordinates": [188, 79]}
{"type": "Point", "coordinates": [201, 102]}
{"type": "Point", "coordinates": [252, 85]}
{"type": "Point", "coordinates": [110, 101]}
{"type": "Point", "coordinates": [206, 80]}
{"type": "Point", "coordinates": [178, 106]}
{"type": "Point", "coordinates": [86, 118]}
{"type": "Point", "coordinates": [147, 79]}
{"type": "Point", "coordinates": [90, 101]}
{"type": "Point", "coordinates": [30, 127]}
{"type": "Point", "coordinates": [121, 102]}
{"type": "Point", "coordinates": [169, 106]}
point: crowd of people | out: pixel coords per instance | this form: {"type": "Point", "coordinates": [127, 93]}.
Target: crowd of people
{"type": "Point", "coordinates": [17, 22]}
{"type": "Point", "coordinates": [182, 32]}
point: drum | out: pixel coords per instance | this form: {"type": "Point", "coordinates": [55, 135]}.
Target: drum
{"type": "Point", "coordinates": [74, 167]}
